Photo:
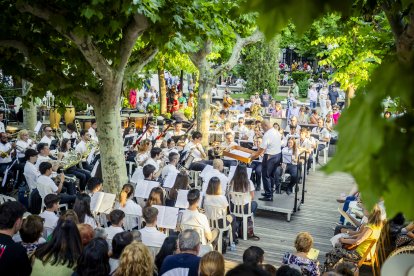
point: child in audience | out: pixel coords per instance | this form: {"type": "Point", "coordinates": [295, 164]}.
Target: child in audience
{"type": "Point", "coordinates": [82, 208]}
{"type": "Point", "coordinates": [94, 259]}
{"type": "Point", "coordinates": [31, 232]}
{"type": "Point", "coordinates": [116, 217]}
{"type": "Point", "coordinates": [149, 234]}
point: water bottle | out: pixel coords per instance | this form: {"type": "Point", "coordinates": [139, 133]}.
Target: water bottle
{"type": "Point", "coordinates": [232, 246]}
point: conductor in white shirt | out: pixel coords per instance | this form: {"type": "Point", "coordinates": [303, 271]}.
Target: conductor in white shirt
{"type": "Point", "coordinates": [150, 235]}
{"type": "Point", "coordinates": [271, 147]}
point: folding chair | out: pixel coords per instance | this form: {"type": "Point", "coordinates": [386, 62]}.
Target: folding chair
{"type": "Point", "coordinates": [216, 214]}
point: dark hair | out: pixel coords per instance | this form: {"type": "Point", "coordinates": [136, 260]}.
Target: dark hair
{"type": "Point", "coordinates": [345, 268]}
{"type": "Point", "coordinates": [51, 199]}
{"type": "Point", "coordinates": [196, 135]}
{"type": "Point", "coordinates": [156, 197]}
{"type": "Point", "coordinates": [193, 196]}
{"type": "Point", "coordinates": [93, 121]}
{"type": "Point", "coordinates": [150, 214]}
{"type": "Point", "coordinates": [246, 270]}
{"type": "Point", "coordinates": [29, 153]}
{"type": "Point", "coordinates": [181, 183]}
{"type": "Point", "coordinates": [213, 185]}
{"type": "Point", "coordinates": [240, 181]}
{"type": "Point", "coordinates": [155, 151]}
{"type": "Point", "coordinates": [71, 126]}
{"type": "Point", "coordinates": [172, 156]}
{"type": "Point", "coordinates": [286, 270]}
{"type": "Point", "coordinates": [64, 247]}
{"type": "Point", "coordinates": [268, 268]}
{"type": "Point", "coordinates": [32, 229]}
{"type": "Point", "coordinates": [93, 182]}
{"type": "Point", "coordinates": [253, 255]}
{"type": "Point", "coordinates": [10, 212]}
{"type": "Point", "coordinates": [63, 144]}
{"type": "Point", "coordinates": [44, 166]}
{"type": "Point", "coordinates": [83, 132]}
{"type": "Point", "coordinates": [119, 242]}
{"type": "Point", "coordinates": [223, 112]}
{"type": "Point", "coordinates": [94, 259]}
{"type": "Point", "coordinates": [40, 146]}
{"type": "Point", "coordinates": [82, 207]}
{"type": "Point", "coordinates": [147, 170]}
{"type": "Point", "coordinates": [115, 216]}
{"type": "Point", "coordinates": [168, 248]}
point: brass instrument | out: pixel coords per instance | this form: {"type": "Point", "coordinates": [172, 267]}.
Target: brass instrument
{"type": "Point", "coordinates": [78, 127]}
{"type": "Point", "coordinates": [59, 135]}
{"type": "Point", "coordinates": [71, 158]}
{"type": "Point", "coordinates": [256, 110]}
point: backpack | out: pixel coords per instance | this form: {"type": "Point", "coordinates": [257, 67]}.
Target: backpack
{"type": "Point", "coordinates": [250, 230]}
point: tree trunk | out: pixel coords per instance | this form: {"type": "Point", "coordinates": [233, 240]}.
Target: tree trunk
{"type": "Point", "coordinates": [110, 140]}
{"type": "Point", "coordinates": [29, 113]}
{"type": "Point", "coordinates": [162, 88]}
{"type": "Point", "coordinates": [203, 107]}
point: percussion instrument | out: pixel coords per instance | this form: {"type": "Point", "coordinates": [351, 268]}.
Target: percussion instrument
{"type": "Point", "coordinates": [139, 120]}
{"type": "Point", "coordinates": [54, 118]}
{"type": "Point", "coordinates": [124, 120]}
{"type": "Point", "coordinates": [69, 114]}
{"type": "Point", "coordinates": [12, 130]}
{"type": "Point", "coordinates": [85, 121]}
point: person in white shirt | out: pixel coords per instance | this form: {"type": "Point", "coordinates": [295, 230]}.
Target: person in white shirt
{"type": "Point", "coordinates": [23, 143]}
{"type": "Point", "coordinates": [241, 129]}
{"type": "Point", "coordinates": [195, 149]}
{"type": "Point", "coordinates": [241, 107]}
{"type": "Point", "coordinates": [141, 105]}
{"type": "Point", "coordinates": [92, 130]}
{"type": "Point", "coordinates": [82, 208]}
{"type": "Point", "coordinates": [45, 185]}
{"type": "Point", "coordinates": [271, 148]}
{"type": "Point", "coordinates": [293, 122]}
{"type": "Point", "coordinates": [44, 155]}
{"type": "Point", "coordinates": [2, 128]}
{"type": "Point", "coordinates": [217, 171]}
{"type": "Point", "coordinates": [116, 217]}
{"type": "Point", "coordinates": [31, 172]}
{"type": "Point", "coordinates": [173, 159]}
{"type": "Point", "coordinates": [176, 132]}
{"type": "Point", "coordinates": [313, 96]}
{"type": "Point", "coordinates": [156, 161]}
{"type": "Point", "coordinates": [294, 111]}
{"type": "Point", "coordinates": [48, 137]}
{"type": "Point", "coordinates": [193, 217]}
{"type": "Point", "coordinates": [5, 152]}
{"type": "Point", "coordinates": [227, 145]}
{"type": "Point", "coordinates": [127, 204]}
{"type": "Point", "coordinates": [49, 215]}
{"type": "Point", "coordinates": [81, 146]}
{"type": "Point", "coordinates": [324, 136]}
{"type": "Point", "coordinates": [150, 235]}
{"type": "Point", "coordinates": [305, 145]}
{"type": "Point", "coordinates": [70, 132]}
{"type": "Point", "coordinates": [290, 159]}
{"type": "Point", "coordinates": [169, 149]}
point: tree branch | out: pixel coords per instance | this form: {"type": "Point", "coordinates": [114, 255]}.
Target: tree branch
{"type": "Point", "coordinates": [86, 96]}
{"type": "Point", "coordinates": [134, 29]}
{"type": "Point", "coordinates": [141, 59]}
{"type": "Point", "coordinates": [199, 57]}
{"type": "Point", "coordinates": [84, 44]}
{"type": "Point", "coordinates": [24, 50]}
{"type": "Point", "coordinates": [235, 55]}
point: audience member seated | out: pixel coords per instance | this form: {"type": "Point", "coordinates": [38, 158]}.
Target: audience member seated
{"type": "Point", "coordinates": [116, 217]}
{"type": "Point", "coordinates": [185, 263]}
{"type": "Point", "coordinates": [242, 184]}
{"type": "Point", "coordinates": [173, 159]}
{"type": "Point", "coordinates": [182, 182]}
{"type": "Point", "coordinates": [270, 269]}
{"type": "Point", "coordinates": [169, 247]}
{"type": "Point", "coordinates": [290, 156]}
{"type": "Point", "coordinates": [49, 215]}
{"type": "Point", "coordinates": [286, 270]}
{"type": "Point", "coordinates": [70, 215]}
{"type": "Point", "coordinates": [406, 237]}
{"type": "Point", "coordinates": [217, 171]}
{"type": "Point", "coordinates": [253, 256]}
{"type": "Point", "coordinates": [149, 234]}
{"type": "Point", "coordinates": [136, 259]}
{"type": "Point", "coordinates": [82, 208]}
{"type": "Point", "coordinates": [59, 255]}
{"type": "Point", "coordinates": [87, 233]}
{"type": "Point", "coordinates": [303, 245]}
{"type": "Point", "coordinates": [156, 197]}
{"type": "Point", "coordinates": [13, 259]}
{"type": "Point", "coordinates": [357, 245]}
{"type": "Point", "coordinates": [45, 184]}
{"type": "Point", "coordinates": [193, 217]}
{"type": "Point", "coordinates": [248, 270]}
{"type": "Point", "coordinates": [31, 233]}
{"type": "Point", "coordinates": [126, 202]}
{"type": "Point", "coordinates": [119, 242]}
{"type": "Point", "coordinates": [211, 264]}
{"type": "Point", "coordinates": [94, 259]}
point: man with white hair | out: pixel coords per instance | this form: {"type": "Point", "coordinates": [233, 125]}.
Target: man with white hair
{"type": "Point", "coordinates": [217, 171]}
{"type": "Point", "coordinates": [241, 107]}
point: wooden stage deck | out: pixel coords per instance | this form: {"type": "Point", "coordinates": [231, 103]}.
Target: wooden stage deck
{"type": "Point", "coordinates": [318, 216]}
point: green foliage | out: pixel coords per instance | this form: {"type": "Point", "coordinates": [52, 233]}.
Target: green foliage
{"type": "Point", "coordinates": [300, 75]}
{"type": "Point", "coordinates": [261, 63]}
{"type": "Point", "coordinates": [303, 85]}
{"type": "Point", "coordinates": [154, 108]}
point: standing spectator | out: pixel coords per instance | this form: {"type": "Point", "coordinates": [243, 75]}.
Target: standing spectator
{"type": "Point", "coordinates": [135, 260]}
{"type": "Point", "coordinates": [13, 257]}
{"type": "Point", "coordinates": [312, 96]}
{"type": "Point", "coordinates": [266, 98]}
{"type": "Point", "coordinates": [212, 264]}
{"type": "Point", "coordinates": [94, 259]}
{"type": "Point", "coordinates": [186, 263]}
{"type": "Point", "coordinates": [333, 95]}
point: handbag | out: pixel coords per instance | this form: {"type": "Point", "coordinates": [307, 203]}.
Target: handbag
{"type": "Point", "coordinates": [250, 231]}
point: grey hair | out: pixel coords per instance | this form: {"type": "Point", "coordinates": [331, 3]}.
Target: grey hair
{"type": "Point", "coordinates": [188, 240]}
{"type": "Point", "coordinates": [100, 233]}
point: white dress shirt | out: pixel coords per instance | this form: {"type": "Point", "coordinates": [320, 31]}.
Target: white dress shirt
{"type": "Point", "coordinates": [131, 208]}
{"type": "Point", "coordinates": [41, 159]}
{"type": "Point", "coordinates": [271, 142]}
{"type": "Point", "coordinates": [51, 219]}
{"type": "Point", "coordinates": [4, 148]}
{"type": "Point", "coordinates": [195, 152]}
{"type": "Point", "coordinates": [168, 169]}
{"type": "Point", "coordinates": [23, 145]}
{"type": "Point", "coordinates": [150, 236]}
{"type": "Point", "coordinates": [210, 174]}
{"type": "Point", "coordinates": [111, 231]}
{"type": "Point", "coordinates": [197, 219]}
{"type": "Point", "coordinates": [92, 132]}
{"type": "Point", "coordinates": [2, 128]}
{"type": "Point", "coordinates": [47, 140]}
{"type": "Point", "coordinates": [31, 173]}
{"type": "Point", "coordinates": [151, 161]}
{"type": "Point", "coordinates": [67, 135]}
{"type": "Point", "coordinates": [45, 185]}
{"type": "Point", "coordinates": [81, 147]}
{"type": "Point", "coordinates": [172, 133]}
{"type": "Point", "coordinates": [241, 129]}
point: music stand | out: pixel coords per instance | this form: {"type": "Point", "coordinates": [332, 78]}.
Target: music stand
{"type": "Point", "coordinates": [129, 139]}
{"type": "Point", "coordinates": [216, 137]}
{"type": "Point", "coordinates": [246, 144]}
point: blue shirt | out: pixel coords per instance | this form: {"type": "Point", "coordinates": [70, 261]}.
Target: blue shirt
{"type": "Point", "coordinates": [183, 264]}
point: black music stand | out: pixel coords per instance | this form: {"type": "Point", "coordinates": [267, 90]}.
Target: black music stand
{"type": "Point", "coordinates": [216, 137]}
{"type": "Point", "coordinates": [246, 144]}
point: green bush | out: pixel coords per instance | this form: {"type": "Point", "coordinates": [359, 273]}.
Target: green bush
{"type": "Point", "coordinates": [303, 88]}
{"type": "Point", "coordinates": [299, 75]}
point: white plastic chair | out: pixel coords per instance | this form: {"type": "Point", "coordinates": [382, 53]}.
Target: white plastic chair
{"type": "Point", "coordinates": [196, 228]}
{"type": "Point", "coordinates": [4, 199]}
{"type": "Point", "coordinates": [131, 221]}
{"type": "Point", "coordinates": [216, 214]}
{"type": "Point", "coordinates": [239, 200]}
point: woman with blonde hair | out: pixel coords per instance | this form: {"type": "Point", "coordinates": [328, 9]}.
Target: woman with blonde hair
{"type": "Point", "coordinates": [23, 143]}
{"type": "Point", "coordinates": [135, 260]}
{"type": "Point", "coordinates": [143, 152]}
{"type": "Point", "coordinates": [212, 264]}
{"type": "Point", "coordinates": [126, 202]}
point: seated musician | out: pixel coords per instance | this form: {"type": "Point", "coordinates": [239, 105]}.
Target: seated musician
{"type": "Point", "coordinates": [241, 128]}
{"type": "Point", "coordinates": [293, 122]}
{"type": "Point", "coordinates": [222, 117]}
{"type": "Point", "coordinates": [82, 148]}
{"type": "Point", "coordinates": [23, 143]}
{"type": "Point", "coordinates": [156, 159]}
{"type": "Point", "coordinates": [70, 132]}
{"type": "Point", "coordinates": [256, 165]}
{"type": "Point", "coordinates": [169, 149]}
{"type": "Point", "coordinates": [227, 127]}
{"type": "Point", "coordinates": [31, 172]}
{"type": "Point", "coordinates": [248, 114]}
{"type": "Point", "coordinates": [48, 136]}
{"type": "Point", "coordinates": [227, 145]}
{"type": "Point", "coordinates": [143, 152]}
{"type": "Point", "coordinates": [217, 171]}
{"type": "Point", "coordinates": [289, 165]}
{"type": "Point", "coordinates": [173, 159]}
{"type": "Point", "coordinates": [324, 136]}
{"type": "Point", "coordinates": [151, 133]}
{"type": "Point", "coordinates": [195, 149]}
{"type": "Point", "coordinates": [177, 131]}
{"type": "Point", "coordinates": [242, 106]}
{"type": "Point", "coordinates": [92, 130]}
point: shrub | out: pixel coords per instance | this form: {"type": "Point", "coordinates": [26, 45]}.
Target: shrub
{"type": "Point", "coordinates": [303, 88]}
{"type": "Point", "coordinates": [299, 75]}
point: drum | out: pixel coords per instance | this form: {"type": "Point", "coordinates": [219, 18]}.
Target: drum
{"type": "Point", "coordinates": [69, 115]}
{"type": "Point", "coordinates": [85, 121]}
{"type": "Point", "coordinates": [138, 119]}
{"type": "Point", "coordinates": [54, 118]}
{"type": "Point", "coordinates": [124, 120]}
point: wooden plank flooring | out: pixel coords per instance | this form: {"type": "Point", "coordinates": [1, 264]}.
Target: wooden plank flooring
{"type": "Point", "coordinates": [318, 216]}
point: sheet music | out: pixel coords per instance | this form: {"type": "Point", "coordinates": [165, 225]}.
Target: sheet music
{"type": "Point", "coordinates": [103, 202]}
{"type": "Point", "coordinates": [144, 187]}
{"type": "Point", "coordinates": [90, 156]}
{"type": "Point", "coordinates": [233, 170]}
{"type": "Point", "coordinates": [240, 153]}
{"type": "Point", "coordinates": [95, 168]}
{"type": "Point", "coordinates": [182, 201]}
{"type": "Point", "coordinates": [38, 127]}
{"type": "Point", "coordinates": [167, 216]}
{"type": "Point", "coordinates": [206, 169]}
{"type": "Point", "coordinates": [170, 179]}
